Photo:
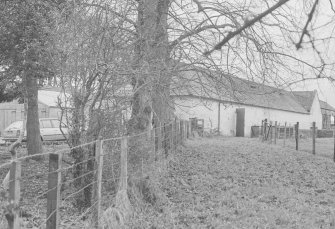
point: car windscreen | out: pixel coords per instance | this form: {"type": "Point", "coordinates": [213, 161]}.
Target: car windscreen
{"type": "Point", "coordinates": [15, 125]}
{"type": "Point", "coordinates": [56, 124]}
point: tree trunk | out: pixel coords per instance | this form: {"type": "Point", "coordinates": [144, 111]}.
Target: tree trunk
{"type": "Point", "coordinates": [34, 145]}
{"type": "Point", "coordinates": [151, 81]}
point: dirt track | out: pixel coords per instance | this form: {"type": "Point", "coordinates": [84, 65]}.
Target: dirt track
{"type": "Point", "coordinates": [242, 183]}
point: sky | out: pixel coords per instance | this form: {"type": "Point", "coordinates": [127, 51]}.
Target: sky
{"type": "Point", "coordinates": [326, 89]}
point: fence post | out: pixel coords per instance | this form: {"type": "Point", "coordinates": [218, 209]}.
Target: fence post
{"type": "Point", "coordinates": [165, 141]}
{"type": "Point", "coordinates": [261, 134]}
{"type": "Point", "coordinates": [285, 133]}
{"type": "Point", "coordinates": [154, 141]}
{"type": "Point", "coordinates": [271, 130]}
{"type": "Point", "coordinates": [171, 137]}
{"type": "Point", "coordinates": [53, 195]}
{"type": "Point", "coordinates": [276, 132]}
{"type": "Point", "coordinates": [124, 165]}
{"type": "Point", "coordinates": [314, 136]}
{"type": "Point", "coordinates": [187, 130]}
{"type": "Point", "coordinates": [149, 133]}
{"type": "Point", "coordinates": [99, 163]}
{"type": "Point", "coordinates": [175, 134]}
{"type": "Point", "coordinates": [14, 194]}
{"type": "Point", "coordinates": [297, 136]}
{"type": "Point", "coordinates": [181, 130]}
{"type": "Point", "coordinates": [265, 129]}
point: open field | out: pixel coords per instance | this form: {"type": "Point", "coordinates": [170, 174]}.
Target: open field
{"type": "Point", "coordinates": [242, 183]}
{"type": "Point", "coordinates": [223, 183]}
{"type": "Point", "coordinates": [323, 146]}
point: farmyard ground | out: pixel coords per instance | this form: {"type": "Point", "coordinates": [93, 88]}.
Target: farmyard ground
{"type": "Point", "coordinates": [238, 183]}
{"type": "Point", "coordinates": [243, 183]}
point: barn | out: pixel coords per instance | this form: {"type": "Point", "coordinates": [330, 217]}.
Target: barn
{"type": "Point", "coordinates": [234, 109]}
{"type": "Point", "coordinates": [328, 115]}
{"type": "Point", "coordinates": [47, 105]}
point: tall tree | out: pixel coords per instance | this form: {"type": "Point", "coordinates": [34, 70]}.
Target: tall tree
{"type": "Point", "coordinates": [25, 29]}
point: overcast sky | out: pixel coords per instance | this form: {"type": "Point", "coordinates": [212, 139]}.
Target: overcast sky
{"type": "Point", "coordinates": [325, 88]}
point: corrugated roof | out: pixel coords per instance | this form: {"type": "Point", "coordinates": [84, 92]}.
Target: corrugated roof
{"type": "Point", "coordinates": [231, 89]}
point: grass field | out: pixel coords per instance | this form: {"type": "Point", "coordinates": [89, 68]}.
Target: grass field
{"type": "Point", "coordinates": [228, 183]}
{"type": "Point", "coordinates": [242, 183]}
{"type": "Point", "coordinates": [323, 146]}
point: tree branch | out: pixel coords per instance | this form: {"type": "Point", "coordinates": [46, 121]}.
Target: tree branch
{"type": "Point", "coordinates": [304, 31]}
{"type": "Point", "coordinates": [199, 30]}
{"type": "Point", "coordinates": [246, 25]}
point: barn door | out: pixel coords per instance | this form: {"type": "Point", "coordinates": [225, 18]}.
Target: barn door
{"type": "Point", "coordinates": [240, 115]}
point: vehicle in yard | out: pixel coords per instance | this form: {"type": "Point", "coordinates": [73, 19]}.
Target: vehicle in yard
{"type": "Point", "coordinates": [51, 130]}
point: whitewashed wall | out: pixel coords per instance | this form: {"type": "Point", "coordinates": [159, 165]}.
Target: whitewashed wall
{"type": "Point", "coordinates": [208, 110]}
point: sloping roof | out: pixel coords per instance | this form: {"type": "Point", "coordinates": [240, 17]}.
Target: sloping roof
{"type": "Point", "coordinates": [50, 97]}
{"type": "Point", "coordinates": [305, 98]}
{"type": "Point", "coordinates": [231, 89]}
{"type": "Point", "coordinates": [324, 105]}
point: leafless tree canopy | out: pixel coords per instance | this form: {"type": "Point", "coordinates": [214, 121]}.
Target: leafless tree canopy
{"type": "Point", "coordinates": [107, 44]}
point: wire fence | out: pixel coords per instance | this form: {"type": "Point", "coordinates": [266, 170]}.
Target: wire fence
{"type": "Point", "coordinates": [300, 136]}
{"type": "Point", "coordinates": [74, 186]}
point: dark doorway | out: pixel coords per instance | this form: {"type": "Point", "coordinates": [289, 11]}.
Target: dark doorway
{"type": "Point", "coordinates": [240, 115]}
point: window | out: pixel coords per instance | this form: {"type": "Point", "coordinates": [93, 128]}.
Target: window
{"type": "Point", "coordinates": [46, 124]}
{"type": "Point", "coordinates": [55, 123]}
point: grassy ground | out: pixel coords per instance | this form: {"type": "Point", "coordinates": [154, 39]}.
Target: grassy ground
{"type": "Point", "coordinates": [242, 183]}
{"type": "Point", "coordinates": [222, 183]}
{"type": "Point", "coordinates": [323, 146]}
{"type": "Point", "coordinates": [33, 183]}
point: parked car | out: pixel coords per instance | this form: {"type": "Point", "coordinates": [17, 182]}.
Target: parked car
{"type": "Point", "coordinates": [49, 128]}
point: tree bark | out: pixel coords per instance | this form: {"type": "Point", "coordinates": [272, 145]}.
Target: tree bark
{"type": "Point", "coordinates": [152, 79]}
{"type": "Point", "coordinates": [34, 145]}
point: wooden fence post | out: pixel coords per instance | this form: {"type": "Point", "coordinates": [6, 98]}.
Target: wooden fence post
{"type": "Point", "coordinates": [285, 132]}
{"type": "Point", "coordinates": [53, 195]}
{"type": "Point", "coordinates": [187, 130]}
{"type": "Point", "coordinates": [165, 141]}
{"type": "Point", "coordinates": [297, 136]}
{"type": "Point", "coordinates": [271, 130]}
{"type": "Point", "coordinates": [276, 132]}
{"type": "Point", "coordinates": [171, 138]}
{"type": "Point", "coordinates": [99, 164]}
{"type": "Point", "coordinates": [14, 194]}
{"type": "Point", "coordinates": [190, 128]}
{"type": "Point", "coordinates": [124, 165]}
{"type": "Point", "coordinates": [153, 140]}
{"type": "Point", "coordinates": [265, 130]}
{"type": "Point", "coordinates": [175, 135]}
{"type": "Point", "coordinates": [314, 136]}
{"type": "Point", "coordinates": [181, 130]}
{"type": "Point", "coordinates": [262, 126]}
{"type": "Point", "coordinates": [157, 139]}
{"type": "Point", "coordinates": [149, 133]}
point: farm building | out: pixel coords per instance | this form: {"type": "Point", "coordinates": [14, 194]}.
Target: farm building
{"type": "Point", "coordinates": [47, 104]}
{"type": "Point", "coordinates": [234, 108]}
{"type": "Point", "coordinates": [328, 115]}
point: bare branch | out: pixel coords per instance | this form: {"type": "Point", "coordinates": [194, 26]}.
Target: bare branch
{"type": "Point", "coordinates": [246, 25]}
{"type": "Point", "coordinates": [304, 31]}
{"type": "Point", "coordinates": [199, 30]}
